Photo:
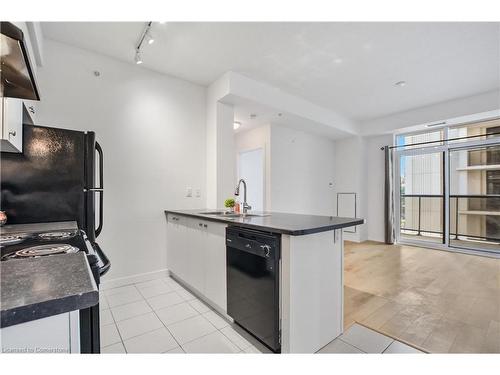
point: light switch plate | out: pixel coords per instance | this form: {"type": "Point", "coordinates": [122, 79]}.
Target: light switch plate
{"type": "Point", "coordinates": [189, 191]}
{"type": "Point", "coordinates": [198, 193]}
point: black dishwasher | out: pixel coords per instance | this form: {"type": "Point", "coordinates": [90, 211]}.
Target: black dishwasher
{"type": "Point", "coordinates": [252, 259]}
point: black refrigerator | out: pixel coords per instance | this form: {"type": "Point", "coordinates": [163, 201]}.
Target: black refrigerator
{"type": "Point", "coordinates": [59, 177]}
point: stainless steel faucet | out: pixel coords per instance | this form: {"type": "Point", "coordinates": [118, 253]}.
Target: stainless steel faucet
{"type": "Point", "coordinates": [246, 206]}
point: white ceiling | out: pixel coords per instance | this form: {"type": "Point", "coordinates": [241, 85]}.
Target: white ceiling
{"type": "Point", "coordinates": [253, 115]}
{"type": "Point", "coordinates": [439, 61]}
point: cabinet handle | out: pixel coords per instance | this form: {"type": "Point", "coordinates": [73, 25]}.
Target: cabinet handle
{"type": "Point", "coordinates": [205, 225]}
{"type": "Point", "coordinates": [200, 224]}
{"type": "Point", "coordinates": [12, 133]}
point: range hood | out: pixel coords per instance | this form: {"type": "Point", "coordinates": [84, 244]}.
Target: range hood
{"type": "Point", "coordinates": [17, 79]}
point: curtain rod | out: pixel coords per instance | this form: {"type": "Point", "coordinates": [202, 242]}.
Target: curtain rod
{"type": "Point", "coordinates": [440, 141]}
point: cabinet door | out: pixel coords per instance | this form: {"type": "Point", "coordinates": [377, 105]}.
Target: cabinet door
{"type": "Point", "coordinates": [195, 243]}
{"type": "Point", "coordinates": [47, 335]}
{"type": "Point", "coordinates": [215, 264]}
{"type": "Point", "coordinates": [176, 229]}
{"type": "Point", "coordinates": [12, 125]}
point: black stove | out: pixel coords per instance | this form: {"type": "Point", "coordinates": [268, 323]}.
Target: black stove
{"type": "Point", "coordinates": [29, 245]}
{"type": "Point", "coordinates": [50, 207]}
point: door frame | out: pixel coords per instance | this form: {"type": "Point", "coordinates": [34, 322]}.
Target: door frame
{"type": "Point", "coordinates": [397, 194]}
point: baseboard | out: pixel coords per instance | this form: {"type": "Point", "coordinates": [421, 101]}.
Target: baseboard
{"type": "Point", "coordinates": [138, 278]}
{"type": "Point", "coordinates": [349, 237]}
{"type": "Point", "coordinates": [367, 242]}
{"type": "Point", "coordinates": [200, 295]}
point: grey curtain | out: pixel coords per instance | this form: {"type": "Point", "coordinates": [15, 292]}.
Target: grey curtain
{"type": "Point", "coordinates": [390, 231]}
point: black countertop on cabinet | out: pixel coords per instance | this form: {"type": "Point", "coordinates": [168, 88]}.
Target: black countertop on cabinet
{"type": "Point", "coordinates": [278, 222]}
{"type": "Point", "coordinates": [36, 288]}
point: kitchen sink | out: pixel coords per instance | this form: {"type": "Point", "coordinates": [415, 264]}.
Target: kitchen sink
{"type": "Point", "coordinates": [216, 213]}
{"type": "Point", "coordinates": [230, 214]}
{"type": "Point", "coordinates": [240, 215]}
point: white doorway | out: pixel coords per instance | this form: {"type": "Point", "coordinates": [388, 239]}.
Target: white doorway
{"type": "Point", "coordinates": [251, 169]}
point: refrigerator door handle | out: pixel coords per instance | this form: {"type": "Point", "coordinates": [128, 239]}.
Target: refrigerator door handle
{"type": "Point", "coordinates": [100, 188]}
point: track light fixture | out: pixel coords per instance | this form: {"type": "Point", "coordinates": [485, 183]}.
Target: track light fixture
{"type": "Point", "coordinates": [147, 36]}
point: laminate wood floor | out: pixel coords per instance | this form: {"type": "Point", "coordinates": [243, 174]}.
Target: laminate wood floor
{"type": "Point", "coordinates": [439, 301]}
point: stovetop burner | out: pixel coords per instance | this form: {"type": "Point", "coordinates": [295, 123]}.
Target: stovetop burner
{"type": "Point", "coordinates": [60, 235]}
{"type": "Point", "coordinates": [43, 250]}
{"type": "Point", "coordinates": [12, 239]}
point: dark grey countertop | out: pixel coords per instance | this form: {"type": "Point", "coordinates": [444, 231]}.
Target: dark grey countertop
{"type": "Point", "coordinates": [278, 222]}
{"type": "Point", "coordinates": [39, 227]}
{"type": "Point", "coordinates": [36, 288]}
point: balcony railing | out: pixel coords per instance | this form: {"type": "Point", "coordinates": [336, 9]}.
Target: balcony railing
{"type": "Point", "coordinates": [487, 206]}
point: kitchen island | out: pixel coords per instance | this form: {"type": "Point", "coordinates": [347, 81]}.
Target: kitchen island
{"type": "Point", "coordinates": [310, 267]}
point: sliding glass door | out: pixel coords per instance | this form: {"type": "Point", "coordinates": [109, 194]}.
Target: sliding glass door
{"type": "Point", "coordinates": [448, 187]}
{"type": "Point", "coordinates": [475, 198]}
{"type": "Point", "coordinates": [421, 196]}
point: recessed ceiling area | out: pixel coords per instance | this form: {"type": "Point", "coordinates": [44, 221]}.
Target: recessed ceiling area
{"type": "Point", "coordinates": [252, 115]}
{"type": "Point", "coordinates": [351, 68]}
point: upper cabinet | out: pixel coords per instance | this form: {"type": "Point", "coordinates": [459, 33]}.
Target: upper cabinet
{"type": "Point", "coordinates": [13, 114]}
{"type": "Point", "coordinates": [14, 111]}
{"type": "Point", "coordinates": [12, 125]}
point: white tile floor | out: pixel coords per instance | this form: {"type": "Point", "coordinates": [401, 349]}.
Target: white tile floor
{"type": "Point", "coordinates": [160, 316]}
{"type": "Point", "coordinates": [359, 339]}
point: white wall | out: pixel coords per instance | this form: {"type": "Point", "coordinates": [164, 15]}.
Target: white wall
{"type": "Point", "coordinates": [250, 140]}
{"type": "Point", "coordinates": [299, 168]}
{"type": "Point", "coordinates": [152, 130]}
{"type": "Point", "coordinates": [360, 168]}
{"type": "Point", "coordinates": [302, 168]}
{"type": "Point", "coordinates": [351, 177]}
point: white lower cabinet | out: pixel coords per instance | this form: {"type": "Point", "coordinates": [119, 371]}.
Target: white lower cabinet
{"type": "Point", "coordinates": [55, 334]}
{"type": "Point", "coordinates": [215, 264]}
{"type": "Point", "coordinates": [196, 253]}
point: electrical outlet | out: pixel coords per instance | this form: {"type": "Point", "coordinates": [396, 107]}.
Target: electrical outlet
{"type": "Point", "coordinates": [189, 191]}
{"type": "Point", "coordinates": [197, 193]}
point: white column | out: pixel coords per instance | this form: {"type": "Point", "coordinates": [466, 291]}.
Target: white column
{"type": "Point", "coordinates": [221, 163]}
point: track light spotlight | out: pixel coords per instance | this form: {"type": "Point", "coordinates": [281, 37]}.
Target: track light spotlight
{"type": "Point", "coordinates": [149, 37]}
{"type": "Point", "coordinates": [138, 57]}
